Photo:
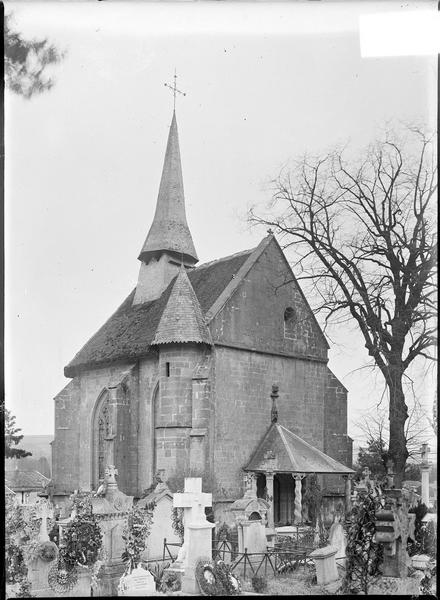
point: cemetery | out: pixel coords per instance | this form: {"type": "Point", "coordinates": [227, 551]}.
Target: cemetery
{"type": "Point", "coordinates": [104, 544]}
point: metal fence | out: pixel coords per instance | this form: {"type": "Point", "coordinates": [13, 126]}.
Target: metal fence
{"type": "Point", "coordinates": [289, 553]}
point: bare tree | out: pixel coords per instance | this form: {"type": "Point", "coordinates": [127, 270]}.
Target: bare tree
{"type": "Point", "coordinates": [365, 240]}
{"type": "Point", "coordinates": [375, 427]}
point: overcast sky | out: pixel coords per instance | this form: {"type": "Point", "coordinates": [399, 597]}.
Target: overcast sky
{"type": "Point", "coordinates": [264, 83]}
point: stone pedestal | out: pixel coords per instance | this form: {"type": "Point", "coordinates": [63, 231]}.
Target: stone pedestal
{"type": "Point", "coordinates": [38, 576]}
{"type": "Point", "coordinates": [199, 545]}
{"type": "Point", "coordinates": [325, 562]}
{"type": "Point", "coordinates": [83, 586]}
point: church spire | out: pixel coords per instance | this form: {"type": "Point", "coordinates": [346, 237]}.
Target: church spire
{"type": "Point", "coordinates": [169, 231]}
{"type": "Point", "coordinates": [169, 243]}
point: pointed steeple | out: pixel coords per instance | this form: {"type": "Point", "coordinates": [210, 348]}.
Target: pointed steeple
{"type": "Point", "coordinates": [182, 319]}
{"type": "Point", "coordinates": [169, 231]}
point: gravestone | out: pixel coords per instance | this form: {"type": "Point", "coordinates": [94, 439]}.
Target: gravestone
{"type": "Point", "coordinates": [394, 525]}
{"type": "Point", "coordinates": [338, 539]}
{"type": "Point", "coordinates": [39, 568]}
{"type": "Point", "coordinates": [197, 540]}
{"type": "Point", "coordinates": [139, 582]}
{"type": "Point", "coordinates": [111, 510]}
{"type": "Point", "coordinates": [250, 514]}
{"type": "Point", "coordinates": [162, 525]}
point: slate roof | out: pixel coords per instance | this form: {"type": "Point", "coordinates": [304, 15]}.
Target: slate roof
{"type": "Point", "coordinates": [169, 230]}
{"type": "Point", "coordinates": [182, 319]}
{"type": "Point", "coordinates": [25, 480]}
{"type": "Point", "coordinates": [292, 454]}
{"type": "Point", "coordinates": [129, 332]}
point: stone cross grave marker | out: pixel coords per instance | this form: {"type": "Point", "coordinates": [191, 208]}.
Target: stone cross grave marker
{"type": "Point", "coordinates": [193, 501]}
{"type": "Point", "coordinates": [44, 511]}
{"type": "Point", "coordinates": [197, 530]}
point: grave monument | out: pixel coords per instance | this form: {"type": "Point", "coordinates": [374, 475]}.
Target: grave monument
{"type": "Point", "coordinates": [197, 540]}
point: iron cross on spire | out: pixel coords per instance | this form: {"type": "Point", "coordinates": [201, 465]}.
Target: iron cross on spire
{"type": "Point", "coordinates": [174, 88]}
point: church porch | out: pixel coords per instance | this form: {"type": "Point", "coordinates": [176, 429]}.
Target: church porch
{"type": "Point", "coordinates": [290, 495]}
{"type": "Point", "coordinates": [287, 471]}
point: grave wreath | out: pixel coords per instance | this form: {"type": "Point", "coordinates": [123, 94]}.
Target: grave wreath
{"type": "Point", "coordinates": [205, 576]}
{"type": "Point", "coordinates": [62, 578]}
{"type": "Point", "coordinates": [47, 551]}
{"type": "Point", "coordinates": [82, 541]}
{"type": "Point", "coordinates": [135, 534]}
{"type": "Point", "coordinates": [216, 579]}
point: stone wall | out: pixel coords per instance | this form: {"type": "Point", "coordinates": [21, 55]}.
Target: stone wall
{"type": "Point", "coordinates": [254, 315]}
{"type": "Point", "coordinates": [74, 413]}
{"type": "Point", "coordinates": [173, 410]}
{"type": "Point", "coordinates": [336, 442]}
{"type": "Point", "coordinates": [256, 348]}
{"type": "Point", "coordinates": [243, 382]}
{"type": "Point", "coordinates": [65, 447]}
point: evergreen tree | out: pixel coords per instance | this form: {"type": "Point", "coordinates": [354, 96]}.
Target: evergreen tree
{"type": "Point", "coordinates": [13, 438]}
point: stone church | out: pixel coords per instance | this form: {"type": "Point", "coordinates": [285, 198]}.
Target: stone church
{"type": "Point", "coordinates": [212, 370]}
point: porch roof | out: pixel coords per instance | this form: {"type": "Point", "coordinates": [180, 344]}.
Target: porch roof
{"type": "Point", "coordinates": [282, 451]}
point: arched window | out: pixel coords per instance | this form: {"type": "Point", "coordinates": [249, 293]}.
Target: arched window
{"type": "Point", "coordinates": [290, 320]}
{"type": "Point", "coordinates": [101, 431]}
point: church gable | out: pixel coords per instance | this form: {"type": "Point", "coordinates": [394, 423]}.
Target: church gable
{"type": "Point", "coordinates": [267, 310]}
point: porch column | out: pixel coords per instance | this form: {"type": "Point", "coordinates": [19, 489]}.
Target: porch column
{"type": "Point", "coordinates": [298, 497]}
{"type": "Point", "coordinates": [347, 479]}
{"type": "Point", "coordinates": [269, 488]}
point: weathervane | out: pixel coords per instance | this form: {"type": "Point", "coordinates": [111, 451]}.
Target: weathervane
{"type": "Point", "coordinates": [174, 88]}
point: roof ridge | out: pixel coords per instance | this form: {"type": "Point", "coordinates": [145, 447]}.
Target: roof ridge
{"type": "Point", "coordinates": [286, 445]}
{"type": "Point", "coordinates": [218, 260]}
{"type": "Point", "coordinates": [303, 441]}
{"type": "Point", "coordinates": [235, 281]}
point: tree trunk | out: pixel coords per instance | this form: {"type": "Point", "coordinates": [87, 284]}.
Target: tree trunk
{"type": "Point", "coordinates": [398, 415]}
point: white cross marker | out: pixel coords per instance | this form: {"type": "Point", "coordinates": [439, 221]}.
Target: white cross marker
{"type": "Point", "coordinates": [193, 501]}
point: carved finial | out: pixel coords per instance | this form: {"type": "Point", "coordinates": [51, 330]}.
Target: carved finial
{"type": "Point", "coordinates": [274, 411]}
{"type": "Point", "coordinates": [270, 231]}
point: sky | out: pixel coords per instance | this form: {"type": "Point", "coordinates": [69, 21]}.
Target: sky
{"type": "Point", "coordinates": [264, 82]}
